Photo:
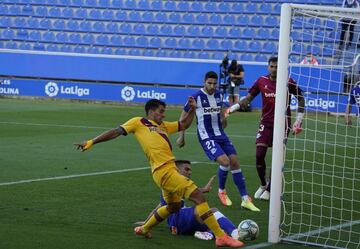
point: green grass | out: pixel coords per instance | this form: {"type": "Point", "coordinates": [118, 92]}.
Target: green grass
{"type": "Point", "coordinates": [36, 141]}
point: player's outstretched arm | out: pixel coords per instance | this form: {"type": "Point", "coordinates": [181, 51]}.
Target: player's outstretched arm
{"type": "Point", "coordinates": [186, 118]}
{"type": "Point", "coordinates": [348, 121]}
{"type": "Point", "coordinates": [180, 141]}
{"type": "Point", "coordinates": [208, 186]}
{"type": "Point", "coordinates": [108, 135]}
{"type": "Point", "coordinates": [242, 104]}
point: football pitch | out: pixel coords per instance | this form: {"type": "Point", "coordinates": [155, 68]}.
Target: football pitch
{"type": "Point", "coordinates": [52, 196]}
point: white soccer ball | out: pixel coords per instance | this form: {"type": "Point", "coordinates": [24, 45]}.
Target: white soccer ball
{"type": "Point", "coordinates": [248, 230]}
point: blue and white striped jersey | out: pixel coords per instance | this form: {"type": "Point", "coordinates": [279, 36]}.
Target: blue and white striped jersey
{"type": "Point", "coordinates": [208, 114]}
{"type": "Point", "coordinates": [354, 98]}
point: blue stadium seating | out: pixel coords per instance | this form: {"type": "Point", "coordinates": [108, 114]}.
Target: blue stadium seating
{"type": "Point", "coordinates": [5, 21]}
{"type": "Point", "coordinates": [34, 35]}
{"type": "Point", "coordinates": [88, 39]}
{"type": "Point", "coordinates": [198, 44]}
{"type": "Point", "coordinates": [183, 6]}
{"type": "Point", "coordinates": [207, 31]}
{"type": "Point", "coordinates": [157, 5]}
{"type": "Point", "coordinates": [212, 44]}
{"type": "Point", "coordinates": [220, 32]}
{"type": "Point", "coordinates": [254, 46]}
{"type": "Point", "coordinates": [226, 44]}
{"type": "Point", "coordinates": [155, 42]}
{"type": "Point", "coordinates": [202, 18]}
{"type": "Point", "coordinates": [19, 22]}
{"type": "Point", "coordinates": [142, 41]}
{"type": "Point", "coordinates": [93, 50]}
{"type": "Point", "coordinates": [238, 8]}
{"type": "Point", "coordinates": [170, 43]}
{"type": "Point", "coordinates": [179, 30]}
{"type": "Point", "coordinates": [196, 6]}
{"type": "Point", "coordinates": [203, 55]}
{"type": "Point", "coordinates": [112, 28]}
{"type": "Point", "coordinates": [148, 52]}
{"type": "Point", "coordinates": [59, 24]}
{"type": "Point", "coordinates": [120, 51]}
{"type": "Point", "coordinates": [261, 58]}
{"type": "Point", "coordinates": [79, 49]}
{"type": "Point", "coordinates": [22, 34]}
{"type": "Point", "coordinates": [68, 12]}
{"type": "Point", "coordinates": [241, 45]}
{"type": "Point", "coordinates": [106, 50]}
{"type": "Point", "coordinates": [193, 31]}
{"type": "Point", "coordinates": [170, 6]}
{"type": "Point", "coordinates": [184, 43]}
{"type": "Point", "coordinates": [235, 32]}
{"type": "Point", "coordinates": [246, 57]}
{"type": "Point", "coordinates": [175, 54]}
{"type": "Point", "coordinates": [269, 47]}
{"type": "Point", "coordinates": [49, 36]}
{"type": "Point", "coordinates": [175, 17]}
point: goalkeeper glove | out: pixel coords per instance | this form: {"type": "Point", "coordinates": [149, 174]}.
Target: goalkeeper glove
{"type": "Point", "coordinates": [232, 109]}
{"type": "Point", "coordinates": [88, 145]}
{"type": "Point", "coordinates": [297, 125]}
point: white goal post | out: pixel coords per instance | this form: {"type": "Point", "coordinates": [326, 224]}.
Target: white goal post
{"type": "Point", "coordinates": [315, 176]}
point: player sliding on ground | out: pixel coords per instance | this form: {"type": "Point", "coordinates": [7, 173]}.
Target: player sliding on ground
{"type": "Point", "coordinates": [266, 85]}
{"type": "Point", "coordinates": [187, 221]}
{"type": "Point", "coordinates": [153, 135]}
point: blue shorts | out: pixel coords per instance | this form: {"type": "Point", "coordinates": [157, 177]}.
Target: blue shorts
{"type": "Point", "coordinates": [215, 147]}
{"type": "Point", "coordinates": [184, 222]}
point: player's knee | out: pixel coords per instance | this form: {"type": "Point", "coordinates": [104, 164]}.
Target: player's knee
{"type": "Point", "coordinates": [174, 207]}
{"type": "Point", "coordinates": [223, 160]}
{"type": "Point", "coordinates": [260, 153]}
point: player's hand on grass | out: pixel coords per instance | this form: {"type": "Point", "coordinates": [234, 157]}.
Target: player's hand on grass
{"type": "Point", "coordinates": [86, 145]}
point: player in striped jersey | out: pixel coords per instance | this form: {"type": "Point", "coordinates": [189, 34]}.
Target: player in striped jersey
{"type": "Point", "coordinates": [215, 143]}
{"type": "Point", "coordinates": [354, 98]}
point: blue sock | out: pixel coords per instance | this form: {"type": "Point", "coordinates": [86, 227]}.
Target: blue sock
{"type": "Point", "coordinates": [239, 181]}
{"type": "Point", "coordinates": [222, 176]}
{"type": "Point", "coordinates": [226, 225]}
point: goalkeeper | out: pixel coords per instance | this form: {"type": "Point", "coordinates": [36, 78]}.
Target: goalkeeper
{"type": "Point", "coordinates": [266, 85]}
{"type": "Point", "coordinates": [354, 98]}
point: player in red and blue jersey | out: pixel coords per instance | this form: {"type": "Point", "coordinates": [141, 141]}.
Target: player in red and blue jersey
{"type": "Point", "coordinates": [266, 85]}
{"type": "Point", "coordinates": [354, 98]}
{"type": "Point", "coordinates": [210, 122]}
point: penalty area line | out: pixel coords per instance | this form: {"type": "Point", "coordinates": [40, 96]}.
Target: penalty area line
{"type": "Point", "coordinates": [71, 176]}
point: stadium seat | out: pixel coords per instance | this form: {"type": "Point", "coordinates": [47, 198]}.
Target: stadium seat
{"type": "Point", "coordinates": [175, 18]}
{"type": "Point", "coordinates": [14, 10]}
{"type": "Point", "coordinates": [93, 50]}
{"type": "Point", "coordinates": [170, 43]}
{"type": "Point", "coordinates": [226, 44]}
{"type": "Point", "coordinates": [81, 13]}
{"type": "Point", "coordinates": [196, 6]}
{"type": "Point", "coordinates": [62, 37]}
{"type": "Point", "coordinates": [330, 24]}
{"type": "Point", "coordinates": [271, 21]}
{"type": "Point", "coordinates": [203, 55]}
{"type": "Point", "coordinates": [210, 7]}
{"type": "Point", "coordinates": [257, 20]}
{"type": "Point", "coordinates": [112, 28]}
{"type": "Point", "coordinates": [52, 48]}
{"type": "Point", "coordinates": [65, 48]}
{"type": "Point", "coordinates": [65, 2]}
{"type": "Point", "coordinates": [218, 55]}
{"type": "Point", "coordinates": [134, 16]}
{"type": "Point", "coordinates": [59, 24]}
{"type": "Point", "coordinates": [215, 19]}
{"type": "Point", "coordinates": [161, 53]}
{"type": "Point", "coordinates": [246, 57]}
{"type": "Point", "coordinates": [265, 8]}
{"type": "Point", "coordinates": [240, 45]}
{"type": "Point", "coordinates": [184, 43]}
{"type": "Point", "coordinates": [198, 44]}
{"type": "Point", "coordinates": [155, 42]}
{"type": "Point", "coordinates": [148, 16]}
{"type": "Point", "coordinates": [45, 24]}
{"type": "Point", "coordinates": [170, 6]}
{"type": "Point", "coordinates": [121, 15]}
{"type": "Point", "coordinates": [72, 25]}
{"type": "Point", "coordinates": [212, 44]}
{"type": "Point", "coordinates": [102, 40]}
{"type": "Point", "coordinates": [115, 40]}
{"type": "Point", "coordinates": [237, 8]}
{"type": "Point", "coordinates": [27, 10]}
{"type": "Point", "coordinates": [193, 31]}
{"type": "Point", "coordinates": [251, 8]}
{"type": "Point", "coordinates": [255, 46]}
{"type": "Point", "coordinates": [129, 41]}
{"type": "Point", "coordinates": [22, 34]}
{"type": "Point", "coordinates": [314, 49]}
{"type": "Point", "coordinates": [120, 51]}
{"type": "Point", "coordinates": [269, 47]}
{"type": "Point", "coordinates": [298, 48]}
{"type": "Point", "coordinates": [49, 36]}
{"type": "Point", "coordinates": [148, 52]}
{"type": "Point", "coordinates": [139, 28]}
{"type": "Point", "coordinates": [175, 54]}
{"type": "Point", "coordinates": [39, 46]}
{"type": "Point", "coordinates": [104, 3]}
{"type": "Point", "coordinates": [32, 23]}
{"type": "Point", "coordinates": [248, 33]}
{"type": "Point", "coordinates": [220, 31]}
{"type": "Point", "coordinates": [78, 3]}
{"type": "Point", "coordinates": [106, 50]}
{"type": "Point", "coordinates": [88, 39]}
{"type": "Point", "coordinates": [261, 58]}
{"type": "Point", "coordinates": [243, 20]}
{"type": "Point", "coordinates": [207, 31]}
{"type": "Point", "coordinates": [313, 23]}
{"type": "Point", "coordinates": [85, 26]}
{"type": "Point", "coordinates": [5, 21]}
{"type": "Point", "coordinates": [125, 28]}
{"type": "Point", "coordinates": [263, 34]}
{"type": "Point", "coordinates": [24, 46]}
{"type": "Point", "coordinates": [79, 49]}
{"type": "Point", "coordinates": [143, 5]}
{"type": "Point", "coordinates": [68, 12]}
{"type": "Point", "coordinates": [130, 4]}
{"type": "Point", "coordinates": [91, 3]}
{"type": "Point", "coordinates": [235, 32]}
{"type": "Point", "coordinates": [55, 12]}
{"type": "Point", "coordinates": [276, 9]}
{"type": "Point", "coordinates": [179, 30]}
{"type": "Point", "coordinates": [183, 6]}
{"type": "Point", "coordinates": [189, 54]}
{"type": "Point", "coordinates": [3, 10]}
{"type": "Point", "coordinates": [117, 4]}
{"type": "Point", "coordinates": [229, 19]}
{"type": "Point", "coordinates": [75, 38]}
{"type": "Point", "coordinates": [275, 34]}
{"type": "Point", "coordinates": [34, 35]}
{"type": "Point", "coordinates": [11, 45]}
{"type": "Point", "coordinates": [152, 29]}
{"type": "Point", "coordinates": [95, 14]}
{"type": "Point", "coordinates": [99, 27]}
{"type": "Point", "coordinates": [166, 30]}
{"type": "Point", "coordinates": [161, 17]}
{"type": "Point", "coordinates": [142, 41]}
{"type": "Point", "coordinates": [202, 18]}
{"type": "Point", "coordinates": [224, 7]}
{"type": "Point", "coordinates": [157, 5]}
{"type": "Point", "coordinates": [188, 18]}
{"type": "Point", "coordinates": [19, 22]}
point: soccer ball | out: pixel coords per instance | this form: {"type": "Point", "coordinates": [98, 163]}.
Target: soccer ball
{"type": "Point", "coordinates": [248, 230]}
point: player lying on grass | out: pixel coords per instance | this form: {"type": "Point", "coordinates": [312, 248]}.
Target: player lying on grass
{"type": "Point", "coordinates": [187, 221]}
{"type": "Point", "coordinates": [153, 135]}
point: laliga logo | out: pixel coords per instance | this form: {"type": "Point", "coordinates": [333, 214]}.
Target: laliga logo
{"type": "Point", "coordinates": [51, 89]}
{"type": "Point", "coordinates": [128, 93]}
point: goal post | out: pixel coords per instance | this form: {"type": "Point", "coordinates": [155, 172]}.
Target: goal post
{"type": "Point", "coordinates": [315, 176]}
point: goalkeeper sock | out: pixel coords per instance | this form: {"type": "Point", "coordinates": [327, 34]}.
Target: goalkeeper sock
{"type": "Point", "coordinates": [239, 181]}
{"type": "Point", "coordinates": [222, 176]}
{"type": "Point", "coordinates": [208, 217]}
{"type": "Point", "coordinates": [260, 163]}
{"type": "Point", "coordinates": [158, 216]}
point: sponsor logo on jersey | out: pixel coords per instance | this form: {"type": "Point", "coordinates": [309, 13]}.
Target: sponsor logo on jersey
{"type": "Point", "coordinates": [270, 95]}
{"type": "Point", "coordinates": [212, 109]}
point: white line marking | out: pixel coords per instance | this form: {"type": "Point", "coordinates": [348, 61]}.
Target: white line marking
{"type": "Point", "coordinates": [261, 245]}
{"type": "Point", "coordinates": [71, 176]}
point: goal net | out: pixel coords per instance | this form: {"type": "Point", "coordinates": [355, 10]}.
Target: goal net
{"type": "Point", "coordinates": [316, 174]}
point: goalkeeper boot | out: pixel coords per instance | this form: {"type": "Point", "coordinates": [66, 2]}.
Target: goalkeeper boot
{"type": "Point", "coordinates": [265, 196]}
{"type": "Point", "coordinates": [227, 241]}
{"type": "Point", "coordinates": [224, 198]}
{"type": "Point", "coordinates": [248, 204]}
{"type": "Point", "coordinates": [140, 231]}
{"type": "Point", "coordinates": [259, 192]}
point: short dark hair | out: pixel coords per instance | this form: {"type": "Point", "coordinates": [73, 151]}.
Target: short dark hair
{"type": "Point", "coordinates": [153, 104]}
{"type": "Point", "coordinates": [211, 75]}
{"type": "Point", "coordinates": [273, 59]}
{"type": "Point", "coordinates": [181, 162]}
